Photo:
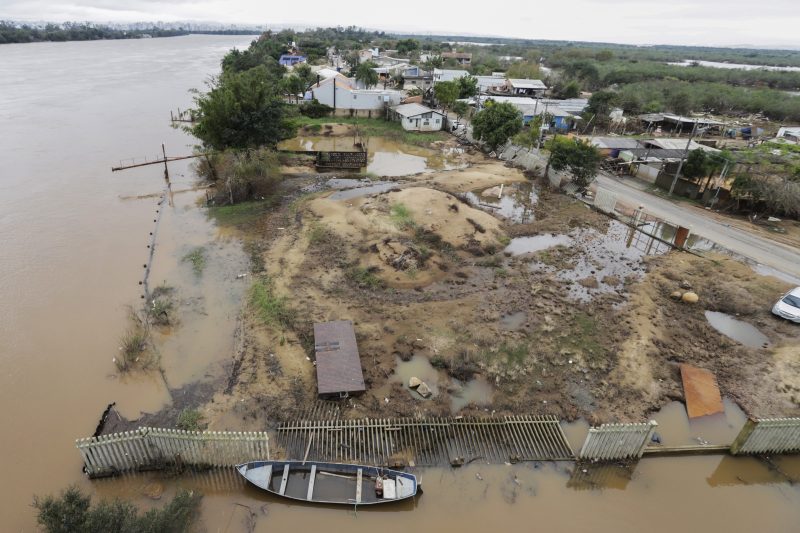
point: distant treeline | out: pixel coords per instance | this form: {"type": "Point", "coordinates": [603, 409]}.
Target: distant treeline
{"type": "Point", "coordinates": [70, 31]}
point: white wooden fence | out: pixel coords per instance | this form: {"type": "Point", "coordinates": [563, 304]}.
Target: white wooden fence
{"type": "Point", "coordinates": [768, 435]}
{"type": "Point", "coordinates": [152, 448]}
{"type": "Point", "coordinates": [617, 441]}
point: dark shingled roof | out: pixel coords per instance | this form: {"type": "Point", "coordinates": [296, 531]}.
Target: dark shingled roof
{"type": "Point", "coordinates": [338, 363]}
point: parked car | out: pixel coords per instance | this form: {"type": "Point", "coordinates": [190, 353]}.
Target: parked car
{"type": "Point", "coordinates": [788, 306]}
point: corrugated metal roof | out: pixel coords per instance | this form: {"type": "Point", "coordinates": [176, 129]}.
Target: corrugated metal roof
{"type": "Point", "coordinates": [338, 362]}
{"type": "Point", "coordinates": [614, 143]}
{"type": "Point", "coordinates": [527, 84]}
{"type": "Point", "coordinates": [677, 144]}
{"type": "Point", "coordinates": [448, 75]}
{"type": "Point", "coordinates": [412, 110]}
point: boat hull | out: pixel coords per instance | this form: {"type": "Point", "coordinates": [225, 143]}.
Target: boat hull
{"type": "Point", "coordinates": [330, 483]}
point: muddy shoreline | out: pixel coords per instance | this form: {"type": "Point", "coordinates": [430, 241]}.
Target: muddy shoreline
{"type": "Point", "coordinates": [434, 272]}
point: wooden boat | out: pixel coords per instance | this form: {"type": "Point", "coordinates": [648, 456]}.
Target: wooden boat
{"type": "Point", "coordinates": [330, 483]}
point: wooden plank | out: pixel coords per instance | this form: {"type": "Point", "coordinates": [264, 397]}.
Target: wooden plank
{"type": "Point", "coordinates": [285, 479]}
{"type": "Point", "coordinates": [311, 479]}
{"type": "Point", "coordinates": [358, 484]}
{"type": "Point", "coordinates": [701, 391]}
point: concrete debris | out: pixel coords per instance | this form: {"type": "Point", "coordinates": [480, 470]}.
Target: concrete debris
{"type": "Point", "coordinates": [414, 382]}
{"type": "Point", "coordinates": [423, 390]}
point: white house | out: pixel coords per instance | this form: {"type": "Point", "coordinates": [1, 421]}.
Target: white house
{"type": "Point", "coordinates": [417, 117]}
{"type": "Point", "coordinates": [789, 133]}
{"type": "Point", "coordinates": [340, 93]}
{"type": "Point", "coordinates": [440, 74]}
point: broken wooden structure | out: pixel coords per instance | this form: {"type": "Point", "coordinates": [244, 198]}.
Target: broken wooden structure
{"type": "Point", "coordinates": [339, 372]}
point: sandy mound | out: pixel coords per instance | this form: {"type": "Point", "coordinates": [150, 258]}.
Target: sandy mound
{"type": "Point", "coordinates": [480, 176]}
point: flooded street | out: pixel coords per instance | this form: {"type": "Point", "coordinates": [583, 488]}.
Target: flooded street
{"type": "Point", "coordinates": [76, 239]}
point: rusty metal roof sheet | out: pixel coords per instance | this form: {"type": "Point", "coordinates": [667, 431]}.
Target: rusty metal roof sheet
{"type": "Point", "coordinates": [338, 363]}
{"type": "Point", "coordinates": [701, 391]}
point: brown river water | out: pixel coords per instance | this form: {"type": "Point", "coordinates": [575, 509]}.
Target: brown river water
{"type": "Point", "coordinates": [74, 241]}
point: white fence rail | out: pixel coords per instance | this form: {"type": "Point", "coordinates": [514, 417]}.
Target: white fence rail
{"type": "Point", "coordinates": [768, 435]}
{"type": "Point", "coordinates": [617, 441]}
{"type": "Point", "coordinates": [151, 448]}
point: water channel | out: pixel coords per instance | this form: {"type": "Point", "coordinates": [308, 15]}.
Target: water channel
{"type": "Point", "coordinates": [75, 238]}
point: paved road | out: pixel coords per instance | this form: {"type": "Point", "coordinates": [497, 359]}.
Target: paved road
{"type": "Point", "coordinates": [757, 248]}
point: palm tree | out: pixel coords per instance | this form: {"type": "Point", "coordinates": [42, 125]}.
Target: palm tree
{"type": "Point", "coordinates": [366, 75]}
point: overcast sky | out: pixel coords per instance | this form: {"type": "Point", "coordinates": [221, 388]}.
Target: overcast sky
{"type": "Point", "coordinates": [705, 22]}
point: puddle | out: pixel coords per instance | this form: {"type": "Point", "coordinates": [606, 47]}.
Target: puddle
{"type": "Point", "coordinates": [676, 428]}
{"type": "Point", "coordinates": [737, 330]}
{"type": "Point", "coordinates": [513, 321]}
{"type": "Point", "coordinates": [607, 260]}
{"type": "Point", "coordinates": [515, 204]}
{"type": "Point", "coordinates": [765, 270]}
{"type": "Point", "coordinates": [477, 391]}
{"type": "Point", "coordinates": [526, 245]}
{"type": "Point", "coordinates": [387, 157]}
{"type": "Point", "coordinates": [418, 366]}
{"type": "Point", "coordinates": [350, 188]}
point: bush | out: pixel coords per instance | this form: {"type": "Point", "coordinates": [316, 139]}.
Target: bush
{"type": "Point", "coordinates": [190, 420]}
{"type": "Point", "coordinates": [72, 512]}
{"type": "Point", "coordinates": [242, 175]}
{"type": "Point", "coordinates": [314, 109]}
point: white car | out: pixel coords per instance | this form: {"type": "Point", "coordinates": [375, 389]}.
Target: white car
{"type": "Point", "coordinates": [788, 306]}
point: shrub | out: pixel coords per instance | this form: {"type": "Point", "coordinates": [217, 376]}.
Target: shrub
{"type": "Point", "coordinates": [72, 511]}
{"type": "Point", "coordinates": [190, 420]}
{"type": "Point", "coordinates": [314, 109]}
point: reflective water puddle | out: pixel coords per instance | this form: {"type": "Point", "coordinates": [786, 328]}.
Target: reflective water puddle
{"type": "Point", "coordinates": [737, 330]}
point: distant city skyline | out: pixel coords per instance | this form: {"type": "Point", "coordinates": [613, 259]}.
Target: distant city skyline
{"type": "Point", "coordinates": [770, 23]}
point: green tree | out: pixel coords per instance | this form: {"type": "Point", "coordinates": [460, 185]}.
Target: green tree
{"type": "Point", "coordinates": [697, 164]}
{"type": "Point", "coordinates": [461, 109]}
{"type": "Point", "coordinates": [467, 86]}
{"type": "Point", "coordinates": [242, 110]}
{"type": "Point", "coordinates": [524, 70]}
{"type": "Point", "coordinates": [366, 74]}
{"type": "Point", "coordinates": [293, 85]}
{"type": "Point", "coordinates": [680, 102]}
{"type": "Point", "coordinates": [404, 46]}
{"type": "Point", "coordinates": [529, 136]}
{"type": "Point", "coordinates": [600, 105]}
{"type": "Point", "coordinates": [72, 512]}
{"type": "Point", "coordinates": [567, 89]}
{"type": "Point", "coordinates": [497, 123]}
{"type": "Point", "coordinates": [580, 158]}
{"type": "Point", "coordinates": [446, 93]}
{"type": "Point", "coordinates": [303, 71]}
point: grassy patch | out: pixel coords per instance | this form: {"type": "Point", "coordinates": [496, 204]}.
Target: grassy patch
{"type": "Point", "coordinates": [582, 336]}
{"type": "Point", "coordinates": [363, 277]}
{"type": "Point", "coordinates": [401, 216]}
{"type": "Point", "coordinates": [135, 349]}
{"type": "Point", "coordinates": [159, 309]}
{"type": "Point", "coordinates": [197, 257]}
{"type": "Point", "coordinates": [271, 308]}
{"type": "Point", "coordinates": [190, 420]}
{"type": "Point", "coordinates": [375, 128]}
{"type": "Point", "coordinates": [515, 354]}
{"type": "Point", "coordinates": [318, 234]}
{"type": "Point", "coordinates": [240, 214]}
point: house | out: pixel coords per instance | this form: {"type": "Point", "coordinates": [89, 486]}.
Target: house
{"type": "Point", "coordinates": [342, 94]}
{"type": "Point", "coordinates": [462, 58]}
{"type": "Point", "coordinates": [789, 133]}
{"type": "Point", "coordinates": [288, 60]}
{"type": "Point", "coordinates": [417, 77]}
{"type": "Point", "coordinates": [440, 74]}
{"type": "Point", "coordinates": [417, 117]}
{"type": "Point", "coordinates": [368, 55]}
{"type": "Point", "coordinates": [559, 118]}
{"type": "Point", "coordinates": [521, 87]}
{"type": "Point", "coordinates": [679, 124]}
{"type": "Point", "coordinates": [487, 83]}
{"type": "Point", "coordinates": [338, 365]}
{"type": "Point", "coordinates": [612, 146]}
{"type": "Point", "coordinates": [677, 144]}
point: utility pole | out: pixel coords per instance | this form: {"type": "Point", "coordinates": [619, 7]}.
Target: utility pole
{"type": "Point", "coordinates": [683, 158]}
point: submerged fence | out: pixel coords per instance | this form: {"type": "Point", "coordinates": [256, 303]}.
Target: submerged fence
{"type": "Point", "coordinates": [617, 441]}
{"type": "Point", "coordinates": [153, 448]}
{"type": "Point", "coordinates": [769, 435]}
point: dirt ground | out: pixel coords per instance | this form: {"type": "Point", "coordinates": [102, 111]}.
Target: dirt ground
{"type": "Point", "coordinates": [586, 329]}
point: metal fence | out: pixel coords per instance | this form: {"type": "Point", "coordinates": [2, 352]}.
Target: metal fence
{"type": "Point", "coordinates": [153, 448]}
{"type": "Point", "coordinates": [769, 435]}
{"type": "Point", "coordinates": [605, 200]}
{"type": "Point", "coordinates": [617, 441]}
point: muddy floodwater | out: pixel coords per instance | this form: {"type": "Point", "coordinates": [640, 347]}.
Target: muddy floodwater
{"type": "Point", "coordinates": [75, 239]}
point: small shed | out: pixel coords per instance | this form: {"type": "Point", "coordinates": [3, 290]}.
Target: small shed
{"type": "Point", "coordinates": [338, 363]}
{"type": "Point", "coordinates": [417, 117]}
